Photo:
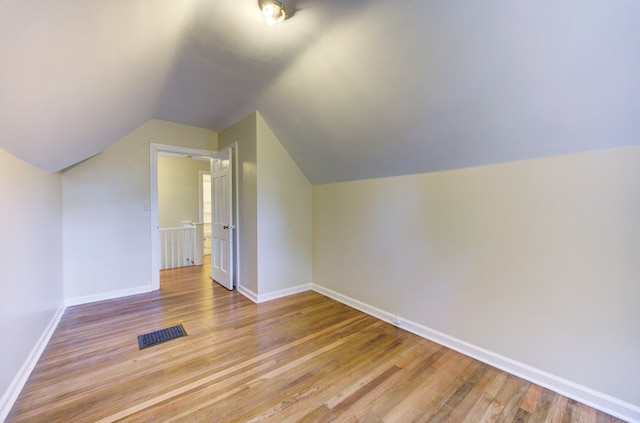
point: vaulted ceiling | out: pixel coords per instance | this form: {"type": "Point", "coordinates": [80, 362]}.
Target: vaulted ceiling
{"type": "Point", "coordinates": [352, 88]}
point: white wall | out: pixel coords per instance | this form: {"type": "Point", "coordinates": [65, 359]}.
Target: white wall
{"type": "Point", "coordinates": [107, 240]}
{"type": "Point", "coordinates": [537, 260]}
{"type": "Point", "coordinates": [179, 190]}
{"type": "Point", "coordinates": [284, 217]}
{"type": "Point", "coordinates": [30, 267]}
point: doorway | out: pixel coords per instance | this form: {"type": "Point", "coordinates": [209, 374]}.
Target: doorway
{"type": "Point", "coordinates": [204, 183]}
{"type": "Point", "coordinates": [155, 150]}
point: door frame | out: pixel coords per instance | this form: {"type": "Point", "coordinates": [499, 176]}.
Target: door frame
{"type": "Point", "coordinates": [154, 149]}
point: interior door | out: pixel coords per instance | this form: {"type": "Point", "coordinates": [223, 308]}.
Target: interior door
{"type": "Point", "coordinates": [222, 221]}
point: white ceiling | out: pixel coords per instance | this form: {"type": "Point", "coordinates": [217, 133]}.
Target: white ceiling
{"type": "Point", "coordinates": [352, 88]}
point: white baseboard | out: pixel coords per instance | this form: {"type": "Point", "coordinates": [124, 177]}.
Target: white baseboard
{"type": "Point", "coordinates": [248, 293]}
{"type": "Point", "coordinates": [580, 393]}
{"type": "Point", "coordinates": [18, 382]}
{"type": "Point", "coordinates": [107, 296]}
{"type": "Point", "coordinates": [283, 293]}
{"type": "Point", "coordinates": [358, 305]}
{"type": "Point", "coordinates": [261, 298]}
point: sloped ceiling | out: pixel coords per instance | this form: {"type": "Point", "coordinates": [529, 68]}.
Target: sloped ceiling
{"type": "Point", "coordinates": [353, 89]}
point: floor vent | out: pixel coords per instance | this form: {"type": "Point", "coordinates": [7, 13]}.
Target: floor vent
{"type": "Point", "coordinates": [159, 336]}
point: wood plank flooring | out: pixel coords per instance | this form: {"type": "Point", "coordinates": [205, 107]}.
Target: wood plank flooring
{"type": "Point", "coordinates": [304, 358]}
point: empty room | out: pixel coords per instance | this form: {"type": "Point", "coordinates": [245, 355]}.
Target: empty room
{"type": "Point", "coordinates": [376, 211]}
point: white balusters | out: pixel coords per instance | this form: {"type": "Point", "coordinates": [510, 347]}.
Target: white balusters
{"type": "Point", "coordinates": [179, 247]}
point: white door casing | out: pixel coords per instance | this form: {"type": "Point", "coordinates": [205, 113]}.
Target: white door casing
{"type": "Point", "coordinates": [222, 218]}
{"type": "Point", "coordinates": [151, 204]}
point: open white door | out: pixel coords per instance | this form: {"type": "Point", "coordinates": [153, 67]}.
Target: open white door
{"type": "Point", "coordinates": [222, 221]}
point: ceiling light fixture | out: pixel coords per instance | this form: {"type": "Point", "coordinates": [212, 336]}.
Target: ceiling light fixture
{"type": "Point", "coordinates": [273, 11]}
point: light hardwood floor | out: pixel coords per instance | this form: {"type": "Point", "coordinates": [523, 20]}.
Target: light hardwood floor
{"type": "Point", "coordinates": [304, 358]}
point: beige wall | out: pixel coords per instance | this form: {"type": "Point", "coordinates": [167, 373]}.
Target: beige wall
{"type": "Point", "coordinates": [30, 263]}
{"type": "Point", "coordinates": [107, 239]}
{"type": "Point", "coordinates": [538, 260]}
{"type": "Point", "coordinates": [275, 211]}
{"type": "Point", "coordinates": [179, 190]}
{"type": "Point", "coordinates": [284, 217]}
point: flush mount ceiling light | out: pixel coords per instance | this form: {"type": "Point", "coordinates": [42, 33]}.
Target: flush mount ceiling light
{"type": "Point", "coordinates": [273, 11]}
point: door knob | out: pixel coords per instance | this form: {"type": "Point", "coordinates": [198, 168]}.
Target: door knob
{"type": "Point", "coordinates": [225, 227]}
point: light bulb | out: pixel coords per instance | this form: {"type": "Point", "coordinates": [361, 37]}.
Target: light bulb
{"type": "Point", "coordinates": [273, 12]}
